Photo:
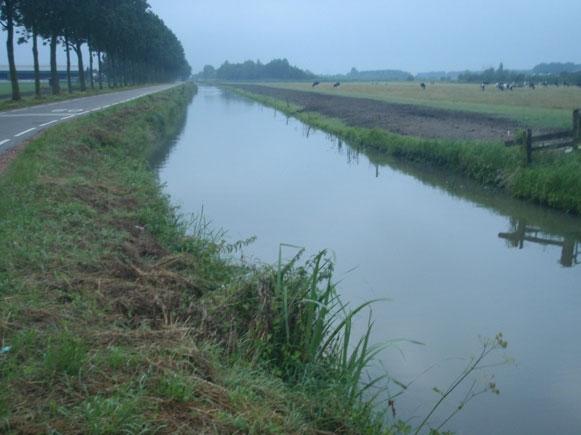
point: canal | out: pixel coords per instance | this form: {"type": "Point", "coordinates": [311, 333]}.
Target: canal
{"type": "Point", "coordinates": [455, 262]}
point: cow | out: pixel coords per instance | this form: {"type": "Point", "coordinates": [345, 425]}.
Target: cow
{"type": "Point", "coordinates": [423, 86]}
{"type": "Point", "coordinates": [482, 86]}
{"type": "Point", "coordinates": [316, 84]}
{"type": "Point", "coordinates": [337, 84]}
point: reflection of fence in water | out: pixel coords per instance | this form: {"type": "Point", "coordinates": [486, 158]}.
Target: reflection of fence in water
{"type": "Point", "coordinates": [570, 252]}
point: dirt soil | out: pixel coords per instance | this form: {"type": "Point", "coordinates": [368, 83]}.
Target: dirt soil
{"type": "Point", "coordinates": [404, 119]}
{"type": "Point", "coordinates": [6, 157]}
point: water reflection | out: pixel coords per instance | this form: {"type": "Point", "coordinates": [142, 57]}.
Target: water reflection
{"type": "Point", "coordinates": [541, 231]}
{"type": "Point", "coordinates": [521, 232]}
{"type": "Point", "coordinates": [158, 158]}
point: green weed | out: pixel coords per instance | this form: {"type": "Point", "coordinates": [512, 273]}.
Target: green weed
{"type": "Point", "coordinates": [118, 414]}
{"type": "Point", "coordinates": [65, 354]}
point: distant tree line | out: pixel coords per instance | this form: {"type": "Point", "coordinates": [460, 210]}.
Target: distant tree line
{"type": "Point", "coordinates": [491, 75]}
{"type": "Point", "coordinates": [374, 75]}
{"type": "Point", "coordinates": [129, 43]}
{"type": "Point", "coordinates": [277, 69]}
{"type": "Point", "coordinates": [556, 68]}
{"type": "Point", "coordinates": [549, 73]}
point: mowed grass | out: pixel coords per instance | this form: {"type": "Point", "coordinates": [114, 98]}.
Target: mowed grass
{"type": "Point", "coordinates": [540, 108]}
{"type": "Point", "coordinates": [25, 87]}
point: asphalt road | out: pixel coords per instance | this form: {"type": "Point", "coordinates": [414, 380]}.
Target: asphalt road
{"type": "Point", "coordinates": [18, 126]}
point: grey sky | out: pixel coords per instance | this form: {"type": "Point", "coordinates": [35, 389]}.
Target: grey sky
{"type": "Point", "coordinates": [416, 35]}
{"type": "Point", "coordinates": [330, 36]}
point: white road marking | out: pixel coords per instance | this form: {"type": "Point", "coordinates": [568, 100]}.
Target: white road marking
{"type": "Point", "coordinates": [4, 141]}
{"type": "Point", "coordinates": [31, 114]}
{"type": "Point", "coordinates": [59, 110]}
{"type": "Point", "coordinates": [22, 133]}
{"type": "Point", "coordinates": [49, 123]}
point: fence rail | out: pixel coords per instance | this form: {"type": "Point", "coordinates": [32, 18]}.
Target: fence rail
{"type": "Point", "coordinates": [560, 139]}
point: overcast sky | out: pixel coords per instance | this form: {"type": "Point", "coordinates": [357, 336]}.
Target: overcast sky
{"type": "Point", "coordinates": [330, 36]}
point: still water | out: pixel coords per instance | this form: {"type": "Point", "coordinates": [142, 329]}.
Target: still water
{"type": "Point", "coordinates": [455, 261]}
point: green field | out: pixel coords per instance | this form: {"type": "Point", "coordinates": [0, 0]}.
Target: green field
{"type": "Point", "coordinates": [27, 88]}
{"type": "Point", "coordinates": [6, 89]}
{"type": "Point", "coordinates": [542, 108]}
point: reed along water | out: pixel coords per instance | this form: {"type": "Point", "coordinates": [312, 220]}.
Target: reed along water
{"type": "Point", "coordinates": [455, 261]}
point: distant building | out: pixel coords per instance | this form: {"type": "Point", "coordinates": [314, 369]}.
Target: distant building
{"type": "Point", "coordinates": [26, 72]}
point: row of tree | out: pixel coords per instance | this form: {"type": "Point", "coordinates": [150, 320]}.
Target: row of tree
{"type": "Point", "coordinates": [555, 73]}
{"type": "Point", "coordinates": [277, 69]}
{"type": "Point", "coordinates": [374, 75]}
{"type": "Point", "coordinates": [491, 75]}
{"type": "Point", "coordinates": [129, 43]}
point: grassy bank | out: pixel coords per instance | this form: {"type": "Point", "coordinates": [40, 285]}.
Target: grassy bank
{"type": "Point", "coordinates": [117, 317]}
{"type": "Point", "coordinates": [554, 179]}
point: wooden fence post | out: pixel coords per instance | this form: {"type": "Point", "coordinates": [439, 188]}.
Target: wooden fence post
{"type": "Point", "coordinates": [576, 128]}
{"type": "Point", "coordinates": [528, 145]}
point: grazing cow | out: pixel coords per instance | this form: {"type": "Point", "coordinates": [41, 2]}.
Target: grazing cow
{"type": "Point", "coordinates": [337, 84]}
{"type": "Point", "coordinates": [316, 84]}
{"type": "Point", "coordinates": [532, 86]}
{"type": "Point", "coordinates": [423, 86]}
{"type": "Point", "coordinates": [482, 86]}
{"type": "Point", "coordinates": [500, 86]}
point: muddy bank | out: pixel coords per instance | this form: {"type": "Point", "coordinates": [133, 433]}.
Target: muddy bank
{"type": "Point", "coordinates": [404, 119]}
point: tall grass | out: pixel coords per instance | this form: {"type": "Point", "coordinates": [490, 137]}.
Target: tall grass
{"type": "Point", "coordinates": [317, 331]}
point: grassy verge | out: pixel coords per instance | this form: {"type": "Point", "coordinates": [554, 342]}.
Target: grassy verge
{"type": "Point", "coordinates": [31, 100]}
{"type": "Point", "coordinates": [553, 180]}
{"type": "Point", "coordinates": [117, 317]}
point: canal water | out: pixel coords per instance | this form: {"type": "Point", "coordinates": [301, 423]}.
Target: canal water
{"type": "Point", "coordinates": [455, 261]}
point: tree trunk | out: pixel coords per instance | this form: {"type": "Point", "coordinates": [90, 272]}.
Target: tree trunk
{"type": "Point", "coordinates": [69, 77]}
{"type": "Point", "coordinates": [100, 69]}
{"type": "Point", "coordinates": [9, 5]}
{"type": "Point", "coordinates": [114, 70]}
{"type": "Point", "coordinates": [78, 49]}
{"type": "Point", "coordinates": [92, 79]}
{"type": "Point", "coordinates": [37, 90]}
{"type": "Point", "coordinates": [54, 74]}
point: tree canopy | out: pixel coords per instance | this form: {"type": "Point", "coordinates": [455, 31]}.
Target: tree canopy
{"type": "Point", "coordinates": [277, 69]}
{"type": "Point", "coordinates": [132, 44]}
